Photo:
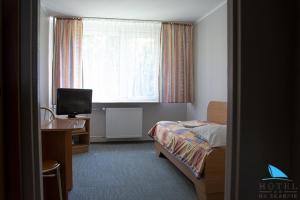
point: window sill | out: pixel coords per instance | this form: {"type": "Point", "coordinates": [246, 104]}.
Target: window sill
{"type": "Point", "coordinates": [131, 102]}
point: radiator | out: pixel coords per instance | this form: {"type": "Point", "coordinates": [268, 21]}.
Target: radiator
{"type": "Point", "coordinates": [124, 122]}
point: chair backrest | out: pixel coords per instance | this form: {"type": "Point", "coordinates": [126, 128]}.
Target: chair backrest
{"type": "Point", "coordinates": [47, 114]}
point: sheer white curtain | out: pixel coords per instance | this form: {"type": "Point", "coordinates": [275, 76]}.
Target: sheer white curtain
{"type": "Point", "coordinates": [121, 60]}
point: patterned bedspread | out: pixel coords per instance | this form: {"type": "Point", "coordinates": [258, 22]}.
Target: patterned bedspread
{"type": "Point", "coordinates": [182, 142]}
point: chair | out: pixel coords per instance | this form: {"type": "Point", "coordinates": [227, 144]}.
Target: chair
{"type": "Point", "coordinates": [47, 113]}
{"type": "Point", "coordinates": [51, 168]}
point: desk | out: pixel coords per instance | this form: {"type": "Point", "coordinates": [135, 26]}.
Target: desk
{"type": "Point", "coordinates": [57, 145]}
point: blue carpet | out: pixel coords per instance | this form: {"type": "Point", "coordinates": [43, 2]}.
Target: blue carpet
{"type": "Point", "coordinates": [130, 171]}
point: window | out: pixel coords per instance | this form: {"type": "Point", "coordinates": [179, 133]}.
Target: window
{"type": "Point", "coordinates": [121, 60]}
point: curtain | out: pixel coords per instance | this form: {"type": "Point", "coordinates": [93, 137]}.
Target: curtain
{"type": "Point", "coordinates": [121, 60]}
{"type": "Point", "coordinates": [176, 75]}
{"type": "Point", "coordinates": [67, 55]}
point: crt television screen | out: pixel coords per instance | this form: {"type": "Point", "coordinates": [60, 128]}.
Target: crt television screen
{"type": "Point", "coordinates": [73, 101]}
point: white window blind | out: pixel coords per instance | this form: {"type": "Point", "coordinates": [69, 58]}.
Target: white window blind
{"type": "Point", "coordinates": [121, 60]}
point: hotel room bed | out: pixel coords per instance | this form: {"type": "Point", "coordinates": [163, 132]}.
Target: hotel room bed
{"type": "Point", "coordinates": [203, 164]}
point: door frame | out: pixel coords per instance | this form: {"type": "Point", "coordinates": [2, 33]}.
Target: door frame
{"type": "Point", "coordinates": [22, 147]}
{"type": "Point", "coordinates": [234, 94]}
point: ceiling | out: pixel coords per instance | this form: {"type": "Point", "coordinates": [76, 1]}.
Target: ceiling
{"type": "Point", "coordinates": [164, 10]}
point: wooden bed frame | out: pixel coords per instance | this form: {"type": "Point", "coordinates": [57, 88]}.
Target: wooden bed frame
{"type": "Point", "coordinates": [211, 184]}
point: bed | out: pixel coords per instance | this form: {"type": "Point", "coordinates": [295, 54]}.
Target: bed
{"type": "Point", "coordinates": [207, 173]}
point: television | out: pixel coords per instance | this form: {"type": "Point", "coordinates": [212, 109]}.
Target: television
{"type": "Point", "coordinates": [72, 102]}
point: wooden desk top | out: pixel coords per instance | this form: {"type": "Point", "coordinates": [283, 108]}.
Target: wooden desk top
{"type": "Point", "coordinates": [62, 124]}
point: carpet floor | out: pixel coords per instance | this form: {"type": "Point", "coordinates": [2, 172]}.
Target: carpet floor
{"type": "Point", "coordinates": [129, 171]}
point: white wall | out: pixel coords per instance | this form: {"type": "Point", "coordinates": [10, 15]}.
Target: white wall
{"type": "Point", "coordinates": [152, 112]}
{"type": "Point", "coordinates": [43, 58]}
{"type": "Point", "coordinates": [210, 62]}
{"type": "Point", "coordinates": [210, 54]}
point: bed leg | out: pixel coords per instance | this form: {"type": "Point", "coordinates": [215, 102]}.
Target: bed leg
{"type": "Point", "coordinates": [202, 195]}
{"type": "Point", "coordinates": [159, 154]}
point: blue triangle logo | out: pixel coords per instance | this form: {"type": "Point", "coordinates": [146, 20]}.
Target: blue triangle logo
{"type": "Point", "coordinates": [276, 174]}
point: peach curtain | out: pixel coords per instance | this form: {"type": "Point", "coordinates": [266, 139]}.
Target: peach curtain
{"type": "Point", "coordinates": [67, 55]}
{"type": "Point", "coordinates": [176, 75]}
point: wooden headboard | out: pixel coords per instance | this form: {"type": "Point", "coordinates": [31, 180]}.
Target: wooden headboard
{"type": "Point", "coordinates": [217, 112]}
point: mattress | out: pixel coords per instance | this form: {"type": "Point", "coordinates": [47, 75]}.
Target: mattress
{"type": "Point", "coordinates": [182, 143]}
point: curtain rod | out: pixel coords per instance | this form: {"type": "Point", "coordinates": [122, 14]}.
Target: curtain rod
{"type": "Point", "coordinates": [179, 23]}
{"type": "Point", "coordinates": [59, 17]}
{"type": "Point", "coordinates": [164, 22]}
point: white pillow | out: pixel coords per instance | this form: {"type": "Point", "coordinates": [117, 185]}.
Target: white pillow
{"type": "Point", "coordinates": [214, 134]}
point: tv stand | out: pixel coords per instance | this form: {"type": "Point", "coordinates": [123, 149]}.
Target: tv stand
{"type": "Point", "coordinates": [81, 138]}
{"type": "Point", "coordinates": [72, 116]}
